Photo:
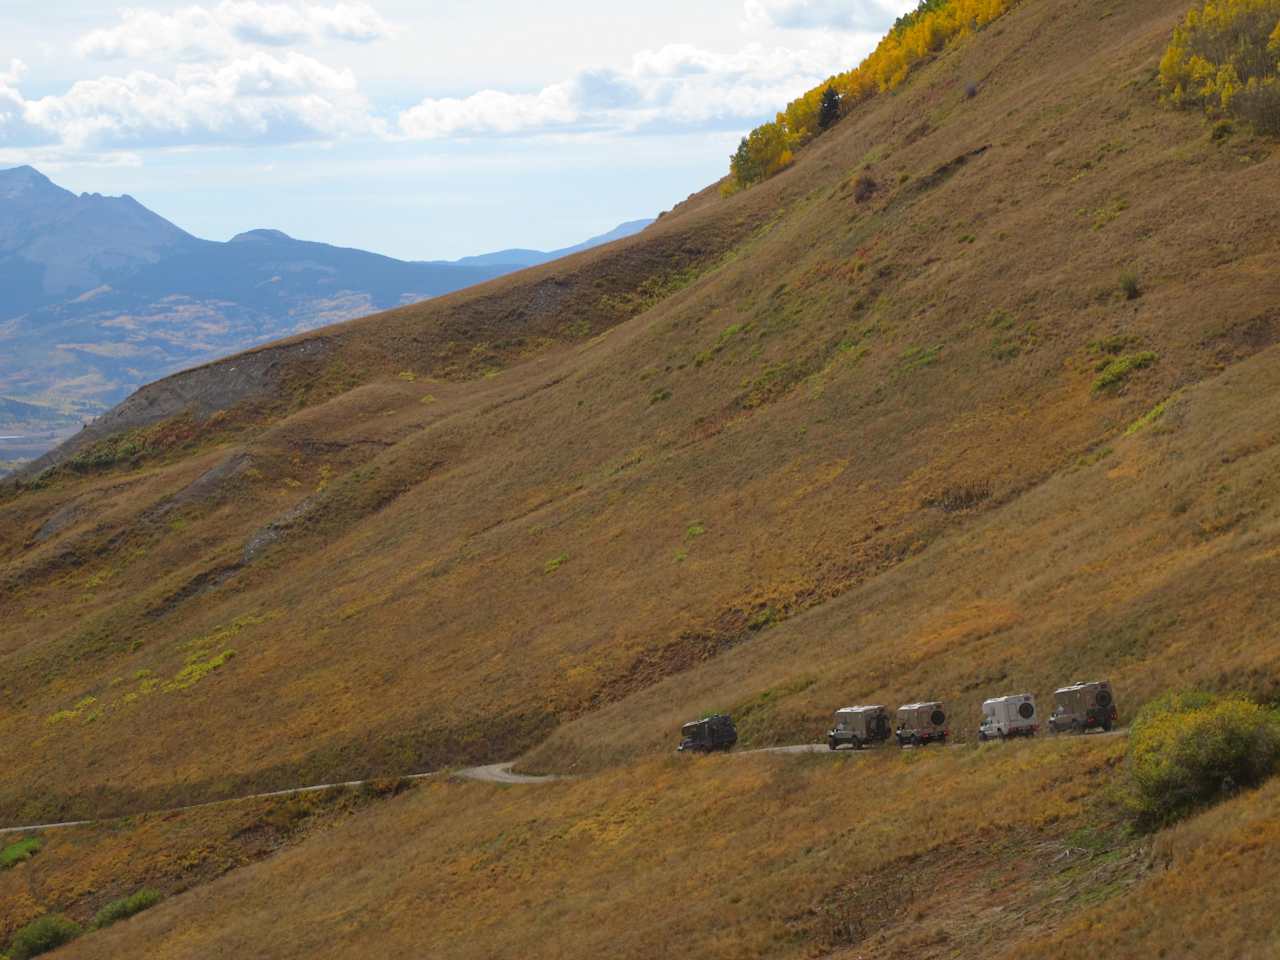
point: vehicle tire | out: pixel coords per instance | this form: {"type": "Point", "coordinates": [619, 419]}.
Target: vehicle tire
{"type": "Point", "coordinates": [857, 743]}
{"type": "Point", "coordinates": [915, 740]}
{"type": "Point", "coordinates": [831, 744]}
{"type": "Point", "coordinates": [1107, 725]}
{"type": "Point", "coordinates": [1103, 698]}
{"type": "Point", "coordinates": [937, 718]}
{"type": "Point", "coordinates": [982, 737]}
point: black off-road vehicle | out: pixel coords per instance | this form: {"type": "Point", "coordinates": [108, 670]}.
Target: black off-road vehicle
{"type": "Point", "coordinates": [708, 734]}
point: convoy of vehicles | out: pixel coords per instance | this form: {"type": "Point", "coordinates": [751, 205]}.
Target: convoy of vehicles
{"type": "Point", "coordinates": [1077, 708]}
{"type": "Point", "coordinates": [1083, 706]}
{"type": "Point", "coordinates": [858, 726]}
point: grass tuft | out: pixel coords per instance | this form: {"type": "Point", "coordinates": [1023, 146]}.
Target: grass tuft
{"type": "Point", "coordinates": [16, 853]}
{"type": "Point", "coordinates": [1147, 419]}
{"type": "Point", "coordinates": [1114, 373]}
{"type": "Point", "coordinates": [917, 358]}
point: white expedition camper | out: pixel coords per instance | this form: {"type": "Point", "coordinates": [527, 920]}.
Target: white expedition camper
{"type": "Point", "coordinates": [1013, 716]}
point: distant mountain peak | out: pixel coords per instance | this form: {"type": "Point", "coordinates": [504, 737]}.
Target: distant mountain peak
{"type": "Point", "coordinates": [260, 235]}
{"type": "Point", "coordinates": [22, 181]}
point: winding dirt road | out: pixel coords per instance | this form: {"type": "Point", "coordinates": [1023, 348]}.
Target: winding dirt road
{"type": "Point", "coordinates": [492, 773]}
{"type": "Point", "coordinates": [501, 773]}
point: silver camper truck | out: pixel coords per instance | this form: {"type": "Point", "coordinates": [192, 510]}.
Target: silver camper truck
{"type": "Point", "coordinates": [921, 723]}
{"type": "Point", "coordinates": [858, 726]}
{"type": "Point", "coordinates": [1082, 706]}
{"type": "Point", "coordinates": [1013, 716]}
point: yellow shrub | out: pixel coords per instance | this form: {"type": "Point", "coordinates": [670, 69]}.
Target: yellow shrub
{"type": "Point", "coordinates": [914, 38]}
{"type": "Point", "coordinates": [1225, 58]}
{"type": "Point", "coordinates": [1189, 750]}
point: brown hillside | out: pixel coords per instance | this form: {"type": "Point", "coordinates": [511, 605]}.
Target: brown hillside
{"type": "Point", "coordinates": [421, 571]}
{"type": "Point", "coordinates": [777, 453]}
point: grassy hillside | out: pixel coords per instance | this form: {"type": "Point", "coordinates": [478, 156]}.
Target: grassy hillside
{"type": "Point", "coordinates": [978, 396]}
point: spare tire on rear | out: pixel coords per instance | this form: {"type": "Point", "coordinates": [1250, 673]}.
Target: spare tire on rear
{"type": "Point", "coordinates": [1026, 710]}
{"type": "Point", "coordinates": [937, 718]}
{"type": "Point", "coordinates": [1103, 698]}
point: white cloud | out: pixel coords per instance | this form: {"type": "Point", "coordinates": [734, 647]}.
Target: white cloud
{"type": "Point", "coordinates": [14, 128]}
{"type": "Point", "coordinates": [354, 22]}
{"type": "Point", "coordinates": [489, 111]}
{"type": "Point", "coordinates": [220, 86]}
{"type": "Point", "coordinates": [826, 14]}
{"type": "Point", "coordinates": [199, 33]}
{"type": "Point", "coordinates": [257, 98]}
{"type": "Point", "coordinates": [677, 85]}
{"type": "Point", "coordinates": [217, 74]}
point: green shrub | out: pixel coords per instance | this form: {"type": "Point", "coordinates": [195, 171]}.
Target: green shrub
{"type": "Point", "coordinates": [42, 935]}
{"type": "Point", "coordinates": [1189, 750]}
{"type": "Point", "coordinates": [1129, 286]}
{"type": "Point", "coordinates": [15, 853]}
{"type": "Point", "coordinates": [125, 907]}
{"type": "Point", "coordinates": [917, 358]}
{"type": "Point", "coordinates": [1112, 373]}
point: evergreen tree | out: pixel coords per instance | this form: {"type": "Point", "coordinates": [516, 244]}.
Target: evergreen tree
{"type": "Point", "coordinates": [829, 113]}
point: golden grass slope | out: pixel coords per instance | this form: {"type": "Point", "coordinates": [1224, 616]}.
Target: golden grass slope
{"type": "Point", "coordinates": [1000, 851]}
{"type": "Point", "coordinates": [1007, 420]}
{"type": "Point", "coordinates": [425, 569]}
{"type": "Point", "coordinates": [77, 871]}
{"type": "Point", "coordinates": [1155, 566]}
{"type": "Point", "coordinates": [722, 857]}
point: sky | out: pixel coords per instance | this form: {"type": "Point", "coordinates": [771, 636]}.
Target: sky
{"type": "Point", "coordinates": [424, 130]}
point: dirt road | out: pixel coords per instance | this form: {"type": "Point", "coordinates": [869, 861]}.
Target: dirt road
{"type": "Point", "coordinates": [501, 773]}
{"type": "Point", "coordinates": [490, 773]}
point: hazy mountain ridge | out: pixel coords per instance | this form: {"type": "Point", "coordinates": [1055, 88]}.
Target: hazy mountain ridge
{"type": "Point", "coordinates": [531, 258]}
{"type": "Point", "coordinates": [101, 295]}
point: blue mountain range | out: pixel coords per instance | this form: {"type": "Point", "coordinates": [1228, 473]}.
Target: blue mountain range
{"type": "Point", "coordinates": [99, 295]}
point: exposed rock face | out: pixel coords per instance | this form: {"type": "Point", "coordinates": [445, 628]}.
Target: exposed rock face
{"type": "Point", "coordinates": [200, 392]}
